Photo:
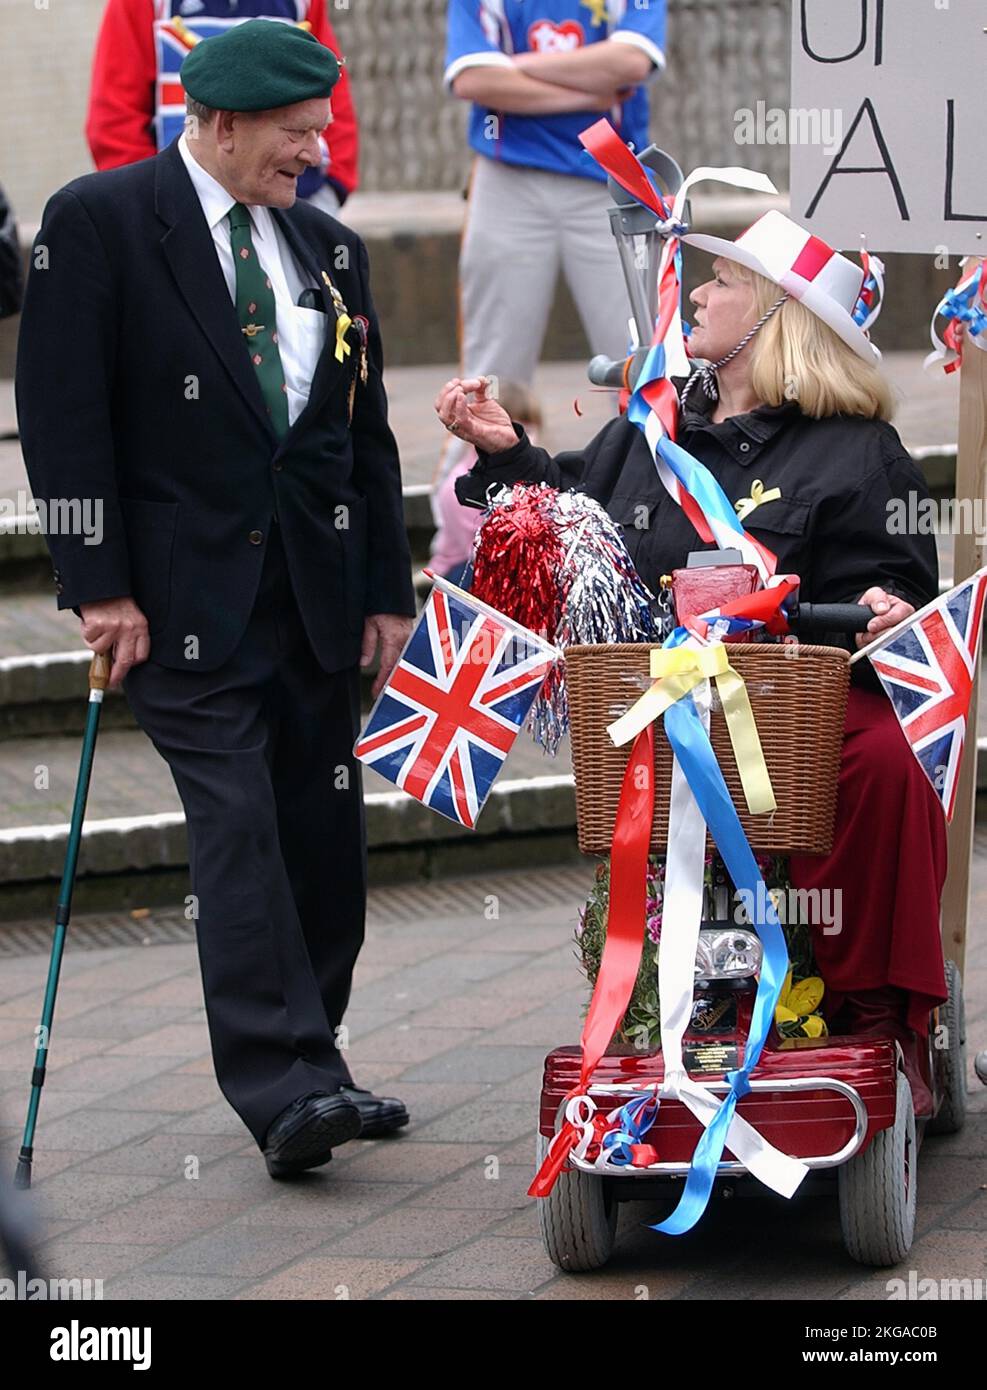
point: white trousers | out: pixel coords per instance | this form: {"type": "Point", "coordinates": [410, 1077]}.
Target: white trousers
{"type": "Point", "coordinates": [522, 226]}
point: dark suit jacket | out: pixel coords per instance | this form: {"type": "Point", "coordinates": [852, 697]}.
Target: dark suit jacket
{"type": "Point", "coordinates": [134, 389]}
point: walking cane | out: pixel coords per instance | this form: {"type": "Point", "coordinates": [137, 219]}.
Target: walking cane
{"type": "Point", "coordinates": [99, 675]}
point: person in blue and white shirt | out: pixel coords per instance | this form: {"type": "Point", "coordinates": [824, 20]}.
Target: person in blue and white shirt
{"type": "Point", "coordinates": [538, 72]}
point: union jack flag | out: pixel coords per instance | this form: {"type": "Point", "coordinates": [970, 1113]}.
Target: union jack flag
{"type": "Point", "coordinates": [175, 35]}
{"type": "Point", "coordinates": [453, 705]}
{"type": "Point", "coordinates": [174, 38]}
{"type": "Point", "coordinates": [927, 670]}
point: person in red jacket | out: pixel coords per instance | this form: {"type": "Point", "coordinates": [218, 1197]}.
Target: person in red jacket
{"type": "Point", "coordinates": [136, 102]}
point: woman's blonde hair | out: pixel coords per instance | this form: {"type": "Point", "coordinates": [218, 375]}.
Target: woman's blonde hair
{"type": "Point", "coordinates": [796, 356]}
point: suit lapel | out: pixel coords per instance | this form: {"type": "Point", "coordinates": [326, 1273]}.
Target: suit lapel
{"type": "Point", "coordinates": [189, 249]}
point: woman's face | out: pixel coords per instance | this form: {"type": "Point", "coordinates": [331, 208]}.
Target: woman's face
{"type": "Point", "coordinates": [725, 311]}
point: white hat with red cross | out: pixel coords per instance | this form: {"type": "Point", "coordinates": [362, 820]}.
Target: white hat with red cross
{"type": "Point", "coordinates": [826, 282]}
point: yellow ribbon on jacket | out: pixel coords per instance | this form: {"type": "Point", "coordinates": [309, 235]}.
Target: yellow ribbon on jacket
{"type": "Point", "coordinates": [746, 505]}
{"type": "Point", "coordinates": [679, 670]}
{"type": "Point", "coordinates": [343, 320]}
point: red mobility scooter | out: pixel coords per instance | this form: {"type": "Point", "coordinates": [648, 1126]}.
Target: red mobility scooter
{"type": "Point", "coordinates": [834, 1102]}
{"type": "Point", "coordinates": [841, 1103]}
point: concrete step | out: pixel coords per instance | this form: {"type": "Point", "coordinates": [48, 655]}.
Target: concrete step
{"type": "Point", "coordinates": [132, 856]}
{"type": "Point", "coordinates": [130, 779]}
{"type": "Point", "coordinates": [25, 566]}
{"type": "Point", "coordinates": [43, 666]}
{"type": "Point", "coordinates": [573, 412]}
{"type": "Point", "coordinates": [43, 679]}
{"type": "Point", "coordinates": [926, 416]}
{"type": "Point", "coordinates": [413, 241]}
{"type": "Point", "coordinates": [134, 845]}
{"type": "Point", "coordinates": [45, 695]}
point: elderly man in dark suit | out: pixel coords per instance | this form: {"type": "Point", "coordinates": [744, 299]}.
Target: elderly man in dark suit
{"type": "Point", "coordinates": [199, 355]}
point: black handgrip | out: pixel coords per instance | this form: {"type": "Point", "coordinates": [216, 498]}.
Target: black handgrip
{"type": "Point", "coordinates": [831, 617]}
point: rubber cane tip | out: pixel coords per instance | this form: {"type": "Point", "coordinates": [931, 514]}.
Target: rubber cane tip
{"type": "Point", "coordinates": [22, 1177]}
{"type": "Point", "coordinates": [99, 671]}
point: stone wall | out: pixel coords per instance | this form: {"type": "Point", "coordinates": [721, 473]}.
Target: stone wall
{"type": "Point", "coordinates": [723, 55]}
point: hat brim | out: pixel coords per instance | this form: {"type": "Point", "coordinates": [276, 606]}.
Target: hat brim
{"type": "Point", "coordinates": [842, 323]}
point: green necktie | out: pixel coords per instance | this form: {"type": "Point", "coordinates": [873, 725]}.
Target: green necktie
{"type": "Point", "coordinates": [255, 307]}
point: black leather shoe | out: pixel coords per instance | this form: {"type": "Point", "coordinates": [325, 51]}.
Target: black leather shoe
{"type": "Point", "coordinates": [305, 1134]}
{"type": "Point", "coordinates": [380, 1114]}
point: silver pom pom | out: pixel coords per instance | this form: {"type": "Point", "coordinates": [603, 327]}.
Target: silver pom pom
{"type": "Point", "coordinates": [602, 599]}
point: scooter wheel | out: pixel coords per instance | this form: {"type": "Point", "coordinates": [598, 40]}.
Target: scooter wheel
{"type": "Point", "coordinates": [578, 1218]}
{"type": "Point", "coordinates": [877, 1190]}
{"type": "Point", "coordinates": [949, 1043]}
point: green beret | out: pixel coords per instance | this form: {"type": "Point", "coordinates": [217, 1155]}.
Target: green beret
{"type": "Point", "coordinates": [257, 66]}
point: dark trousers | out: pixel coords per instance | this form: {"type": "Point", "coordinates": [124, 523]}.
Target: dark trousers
{"type": "Point", "coordinates": [261, 754]}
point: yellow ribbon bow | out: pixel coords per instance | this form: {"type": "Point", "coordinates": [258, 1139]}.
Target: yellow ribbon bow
{"type": "Point", "coordinates": [343, 320]}
{"type": "Point", "coordinates": [679, 670]}
{"type": "Point", "coordinates": [343, 348]}
{"type": "Point", "coordinates": [795, 1012]}
{"type": "Point", "coordinates": [758, 495]}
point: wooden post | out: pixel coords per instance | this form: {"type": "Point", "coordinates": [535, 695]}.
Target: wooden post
{"type": "Point", "coordinates": [968, 556]}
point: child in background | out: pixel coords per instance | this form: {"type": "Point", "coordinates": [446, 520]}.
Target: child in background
{"type": "Point", "coordinates": [456, 525]}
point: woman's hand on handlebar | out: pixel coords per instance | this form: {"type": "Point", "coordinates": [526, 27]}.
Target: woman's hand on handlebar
{"type": "Point", "coordinates": [482, 421]}
{"type": "Point", "coordinates": [889, 610]}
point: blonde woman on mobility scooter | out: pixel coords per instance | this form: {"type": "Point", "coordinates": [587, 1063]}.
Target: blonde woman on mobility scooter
{"type": "Point", "coordinates": [791, 416]}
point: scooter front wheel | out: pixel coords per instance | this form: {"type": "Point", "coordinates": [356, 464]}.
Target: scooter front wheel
{"type": "Point", "coordinates": [578, 1218]}
{"type": "Point", "coordinates": [877, 1190]}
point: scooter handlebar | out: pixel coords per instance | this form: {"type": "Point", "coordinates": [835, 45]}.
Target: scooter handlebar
{"type": "Point", "coordinates": [603, 371]}
{"type": "Point", "coordinates": [831, 617]}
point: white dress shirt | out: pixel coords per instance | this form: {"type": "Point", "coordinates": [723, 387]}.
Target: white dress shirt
{"type": "Point", "coordinates": [301, 332]}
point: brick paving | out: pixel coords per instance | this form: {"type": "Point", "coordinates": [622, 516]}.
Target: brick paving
{"type": "Point", "coordinates": [145, 1178]}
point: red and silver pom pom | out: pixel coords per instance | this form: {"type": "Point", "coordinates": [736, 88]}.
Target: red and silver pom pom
{"type": "Point", "coordinates": [556, 562]}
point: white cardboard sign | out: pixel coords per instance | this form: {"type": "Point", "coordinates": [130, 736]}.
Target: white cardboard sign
{"type": "Point", "coordinates": [888, 123]}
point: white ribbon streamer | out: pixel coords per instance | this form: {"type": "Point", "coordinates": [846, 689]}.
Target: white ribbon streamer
{"type": "Point", "coordinates": [681, 920]}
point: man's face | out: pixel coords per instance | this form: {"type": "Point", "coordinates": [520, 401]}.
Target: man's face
{"type": "Point", "coordinates": [261, 153]}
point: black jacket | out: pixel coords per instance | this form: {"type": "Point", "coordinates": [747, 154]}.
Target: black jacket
{"type": "Point", "coordinates": [134, 388]}
{"type": "Point", "coordinates": [830, 525]}
{"type": "Point", "coordinates": [11, 270]}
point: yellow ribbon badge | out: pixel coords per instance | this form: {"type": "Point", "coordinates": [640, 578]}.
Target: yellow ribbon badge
{"type": "Point", "coordinates": [679, 670]}
{"type": "Point", "coordinates": [758, 495]}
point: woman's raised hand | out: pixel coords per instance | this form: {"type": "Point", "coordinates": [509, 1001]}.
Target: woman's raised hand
{"type": "Point", "coordinates": [481, 421]}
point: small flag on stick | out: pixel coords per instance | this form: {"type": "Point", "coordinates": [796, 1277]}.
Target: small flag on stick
{"type": "Point", "coordinates": [456, 700]}
{"type": "Point", "coordinates": [926, 665]}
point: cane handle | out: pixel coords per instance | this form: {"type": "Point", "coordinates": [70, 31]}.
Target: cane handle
{"type": "Point", "coordinates": [99, 671]}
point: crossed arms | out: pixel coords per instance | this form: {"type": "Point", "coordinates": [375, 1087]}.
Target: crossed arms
{"type": "Point", "coordinates": [594, 77]}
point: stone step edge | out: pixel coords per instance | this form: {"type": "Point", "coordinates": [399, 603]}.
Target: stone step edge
{"type": "Point", "coordinates": [27, 679]}
{"type": "Point", "coordinates": [21, 539]}
{"type": "Point", "coordinates": [518, 807]}
{"type": "Point", "coordinates": [154, 841]}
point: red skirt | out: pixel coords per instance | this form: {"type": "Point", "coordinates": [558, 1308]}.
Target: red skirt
{"type": "Point", "coordinates": [889, 861]}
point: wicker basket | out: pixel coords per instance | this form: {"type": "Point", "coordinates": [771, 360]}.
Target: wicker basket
{"type": "Point", "coordinates": [798, 695]}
